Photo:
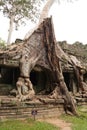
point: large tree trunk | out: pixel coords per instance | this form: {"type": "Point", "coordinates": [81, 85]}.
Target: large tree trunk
{"type": "Point", "coordinates": [10, 30]}
{"type": "Point", "coordinates": [24, 85]}
{"type": "Point", "coordinates": [79, 77]}
{"type": "Point", "coordinates": [41, 49]}
{"type": "Point", "coordinates": [44, 14]}
{"type": "Point", "coordinates": [45, 11]}
{"type": "Point", "coordinates": [78, 73]}
{"type": "Point", "coordinates": [54, 62]}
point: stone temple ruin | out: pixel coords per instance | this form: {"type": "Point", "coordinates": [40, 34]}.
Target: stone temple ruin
{"type": "Point", "coordinates": [41, 71]}
{"type": "Point", "coordinates": [78, 50]}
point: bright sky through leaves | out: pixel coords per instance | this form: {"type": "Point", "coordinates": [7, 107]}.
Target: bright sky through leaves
{"type": "Point", "coordinates": [70, 22]}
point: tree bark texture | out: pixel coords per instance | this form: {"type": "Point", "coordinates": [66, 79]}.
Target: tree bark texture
{"type": "Point", "coordinates": [40, 49]}
{"type": "Point", "coordinates": [54, 62]}
{"type": "Point", "coordinates": [10, 30]}
{"type": "Point", "coordinates": [79, 77]}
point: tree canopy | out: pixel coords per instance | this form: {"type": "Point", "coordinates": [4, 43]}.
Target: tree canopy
{"type": "Point", "coordinates": [19, 10]}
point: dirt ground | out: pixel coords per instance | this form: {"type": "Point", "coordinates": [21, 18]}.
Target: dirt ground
{"type": "Point", "coordinates": [59, 123]}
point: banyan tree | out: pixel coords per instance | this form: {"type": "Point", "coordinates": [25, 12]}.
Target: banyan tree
{"type": "Point", "coordinates": [39, 61]}
{"type": "Point", "coordinates": [39, 52]}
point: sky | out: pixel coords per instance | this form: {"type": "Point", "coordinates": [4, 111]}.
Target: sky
{"type": "Point", "coordinates": [70, 22]}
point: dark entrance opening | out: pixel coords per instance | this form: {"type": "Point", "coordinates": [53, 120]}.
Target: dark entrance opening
{"type": "Point", "coordinates": [85, 77]}
{"type": "Point", "coordinates": [34, 77]}
{"type": "Point", "coordinates": [9, 75]}
{"type": "Point", "coordinates": [38, 79]}
{"type": "Point", "coordinates": [67, 80]}
{"type": "Point", "coordinates": [8, 79]}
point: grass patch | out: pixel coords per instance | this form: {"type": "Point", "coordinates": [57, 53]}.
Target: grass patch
{"type": "Point", "coordinates": [78, 123]}
{"type": "Point", "coordinates": [28, 124]}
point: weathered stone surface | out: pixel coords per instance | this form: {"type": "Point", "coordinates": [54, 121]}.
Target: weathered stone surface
{"type": "Point", "coordinates": [40, 49]}
{"type": "Point", "coordinates": [77, 49]}
{"type": "Point", "coordinates": [24, 109]}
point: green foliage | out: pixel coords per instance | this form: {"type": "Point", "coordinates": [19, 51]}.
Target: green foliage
{"type": "Point", "coordinates": [20, 9]}
{"type": "Point", "coordinates": [26, 125]}
{"type": "Point", "coordinates": [2, 43]}
{"type": "Point", "coordinates": [80, 122]}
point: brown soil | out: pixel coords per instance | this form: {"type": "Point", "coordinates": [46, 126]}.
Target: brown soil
{"type": "Point", "coordinates": [59, 123]}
